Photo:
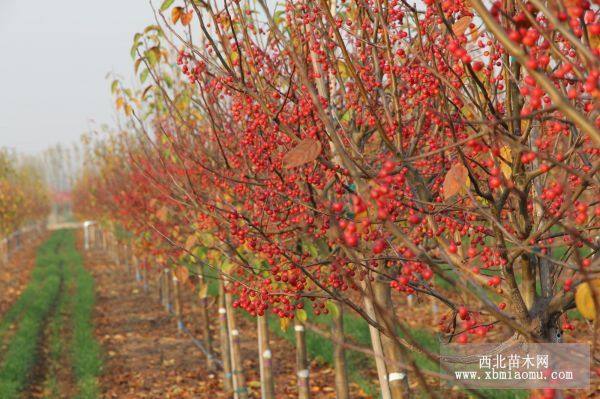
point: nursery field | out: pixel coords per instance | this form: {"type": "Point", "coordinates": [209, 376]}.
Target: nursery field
{"type": "Point", "coordinates": [349, 199]}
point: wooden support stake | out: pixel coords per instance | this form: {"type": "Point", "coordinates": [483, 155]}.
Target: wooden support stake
{"type": "Point", "coordinates": [224, 338]}
{"type": "Point", "coordinates": [265, 359]}
{"type": "Point", "coordinates": [239, 381]}
{"type": "Point", "coordinates": [177, 305]}
{"type": "Point", "coordinates": [302, 367]}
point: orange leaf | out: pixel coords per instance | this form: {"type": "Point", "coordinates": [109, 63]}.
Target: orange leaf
{"type": "Point", "coordinates": [176, 13]}
{"type": "Point", "coordinates": [187, 18]}
{"type": "Point", "coordinates": [456, 180]}
{"type": "Point", "coordinates": [306, 151]}
{"type": "Point", "coordinates": [594, 41]}
{"type": "Point", "coordinates": [461, 25]}
{"type": "Point", "coordinates": [162, 214]}
{"type": "Point", "coordinates": [182, 273]}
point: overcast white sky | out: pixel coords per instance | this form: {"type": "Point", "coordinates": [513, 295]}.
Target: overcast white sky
{"type": "Point", "coordinates": [54, 56]}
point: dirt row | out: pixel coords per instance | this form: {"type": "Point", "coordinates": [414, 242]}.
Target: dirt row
{"type": "Point", "coordinates": [14, 275]}
{"type": "Point", "coordinates": [148, 358]}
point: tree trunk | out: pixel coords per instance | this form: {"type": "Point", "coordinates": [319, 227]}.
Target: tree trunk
{"type": "Point", "coordinates": [397, 378]}
{"type": "Point", "coordinates": [302, 368]}
{"type": "Point", "coordinates": [265, 359]}
{"type": "Point", "coordinates": [339, 356]}
{"type": "Point", "coordinates": [224, 338]}
{"type": "Point", "coordinates": [376, 343]}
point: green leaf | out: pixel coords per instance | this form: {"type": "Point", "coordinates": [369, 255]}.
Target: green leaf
{"type": "Point", "coordinates": [114, 86]}
{"type": "Point", "coordinates": [313, 250]}
{"type": "Point", "coordinates": [227, 267]}
{"type": "Point", "coordinates": [152, 55]}
{"type": "Point", "coordinates": [144, 75]}
{"type": "Point", "coordinates": [332, 308]}
{"type": "Point", "coordinates": [199, 252]}
{"type": "Point", "coordinates": [134, 50]}
{"type": "Point", "coordinates": [168, 81]}
{"type": "Point", "coordinates": [279, 17]}
{"type": "Point", "coordinates": [166, 4]}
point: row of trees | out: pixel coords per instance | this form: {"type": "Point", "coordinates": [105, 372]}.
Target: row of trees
{"type": "Point", "coordinates": [346, 153]}
{"type": "Point", "coordinates": [24, 199]}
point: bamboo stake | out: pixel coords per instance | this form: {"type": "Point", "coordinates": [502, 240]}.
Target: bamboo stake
{"type": "Point", "coordinates": [224, 338]}
{"type": "Point", "coordinates": [239, 382]}
{"type": "Point", "coordinates": [177, 303]}
{"type": "Point", "coordinates": [302, 370]}
{"type": "Point", "coordinates": [264, 357]}
{"type": "Point", "coordinates": [160, 288]}
{"type": "Point", "coordinates": [205, 323]}
{"type": "Point", "coordinates": [167, 290]}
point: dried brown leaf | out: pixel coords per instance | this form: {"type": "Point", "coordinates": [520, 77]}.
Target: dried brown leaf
{"type": "Point", "coordinates": [461, 25]}
{"type": "Point", "coordinates": [456, 180]}
{"type": "Point", "coordinates": [306, 151]}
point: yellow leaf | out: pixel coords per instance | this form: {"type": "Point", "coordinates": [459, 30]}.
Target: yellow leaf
{"type": "Point", "coordinates": [203, 290]}
{"type": "Point", "coordinates": [506, 154]}
{"type": "Point", "coordinates": [254, 384]}
{"type": "Point", "coordinates": [595, 41]}
{"type": "Point", "coordinates": [208, 240]}
{"type": "Point", "coordinates": [284, 324]}
{"type": "Point", "coordinates": [301, 315]}
{"type": "Point", "coordinates": [344, 72]}
{"type": "Point", "coordinates": [120, 102]}
{"type": "Point", "coordinates": [584, 298]}
{"type": "Point", "coordinates": [191, 242]}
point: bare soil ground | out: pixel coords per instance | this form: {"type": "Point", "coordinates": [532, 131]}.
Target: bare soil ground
{"type": "Point", "coordinates": [146, 357]}
{"type": "Point", "coordinates": [14, 275]}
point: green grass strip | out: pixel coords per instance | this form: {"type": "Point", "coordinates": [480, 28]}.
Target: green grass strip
{"type": "Point", "coordinates": [85, 350]}
{"type": "Point", "coordinates": [57, 340]}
